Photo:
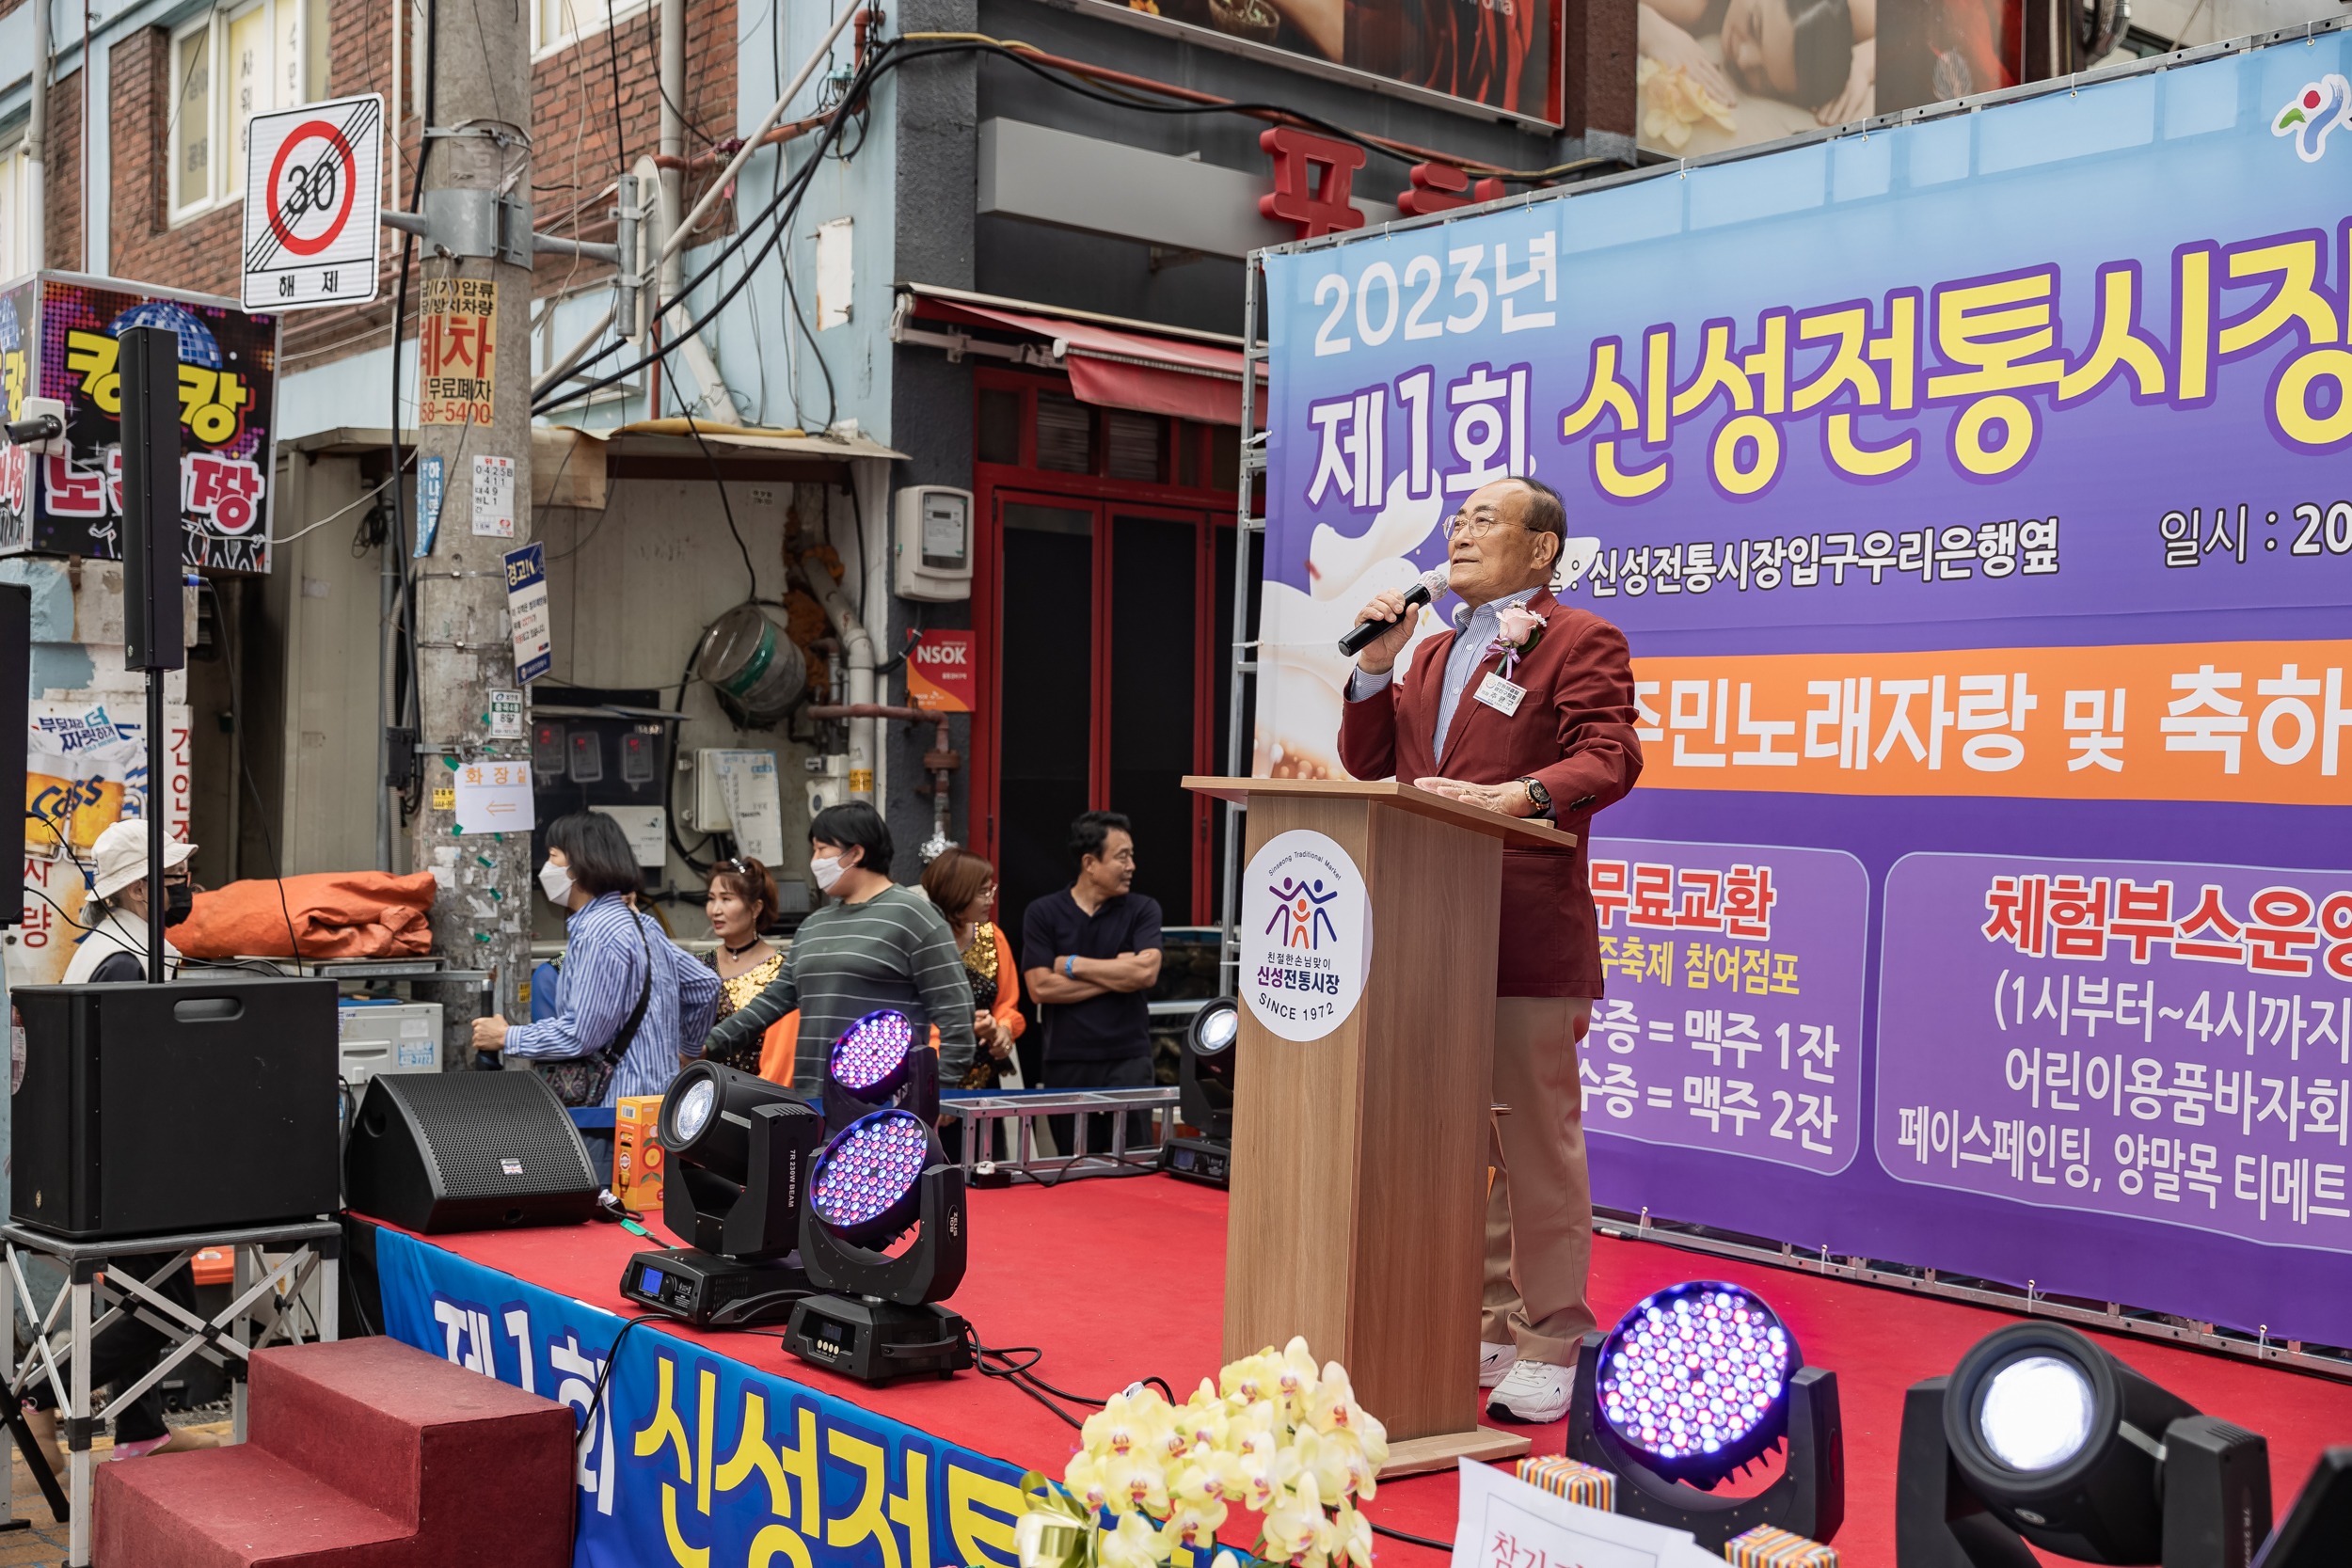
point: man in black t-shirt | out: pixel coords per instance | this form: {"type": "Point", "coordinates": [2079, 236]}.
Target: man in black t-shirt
{"type": "Point", "coordinates": [1087, 955]}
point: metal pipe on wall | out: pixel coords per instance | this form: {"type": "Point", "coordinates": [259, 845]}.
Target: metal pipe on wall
{"type": "Point", "coordinates": [37, 143]}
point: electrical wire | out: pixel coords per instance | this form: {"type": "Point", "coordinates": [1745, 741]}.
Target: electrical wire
{"type": "Point", "coordinates": [595, 1403]}
{"type": "Point", "coordinates": [237, 723]}
{"type": "Point", "coordinates": [718, 477]}
{"type": "Point", "coordinates": [1445, 1546]}
{"type": "Point", "coordinates": [794, 188]}
{"type": "Point", "coordinates": [404, 635]}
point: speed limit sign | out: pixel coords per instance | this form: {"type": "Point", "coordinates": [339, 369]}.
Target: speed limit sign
{"type": "Point", "coordinates": [312, 183]}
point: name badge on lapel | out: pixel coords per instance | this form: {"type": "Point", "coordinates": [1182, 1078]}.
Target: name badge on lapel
{"type": "Point", "coordinates": [1501, 695]}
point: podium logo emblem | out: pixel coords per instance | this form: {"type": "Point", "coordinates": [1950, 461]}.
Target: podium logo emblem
{"type": "Point", "coordinates": [1306, 935]}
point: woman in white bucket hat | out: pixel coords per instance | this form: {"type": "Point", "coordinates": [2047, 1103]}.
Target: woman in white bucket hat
{"type": "Point", "coordinates": [115, 948]}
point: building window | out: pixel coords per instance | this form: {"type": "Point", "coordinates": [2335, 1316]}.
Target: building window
{"type": "Point", "coordinates": [234, 63]}
{"type": "Point", "coordinates": [557, 24]}
{"type": "Point", "coordinates": [16, 199]}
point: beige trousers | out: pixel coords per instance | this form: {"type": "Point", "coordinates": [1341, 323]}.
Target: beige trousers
{"type": "Point", "coordinates": [1539, 1211]}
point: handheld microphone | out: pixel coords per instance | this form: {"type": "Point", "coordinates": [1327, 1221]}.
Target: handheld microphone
{"type": "Point", "coordinates": [1431, 583]}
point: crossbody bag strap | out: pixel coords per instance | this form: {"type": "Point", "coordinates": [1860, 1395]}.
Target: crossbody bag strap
{"type": "Point", "coordinates": [628, 1037]}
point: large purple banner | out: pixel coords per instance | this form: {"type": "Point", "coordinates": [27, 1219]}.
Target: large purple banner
{"type": "Point", "coordinates": [1973, 499]}
{"type": "Point", "coordinates": [2166, 1042]}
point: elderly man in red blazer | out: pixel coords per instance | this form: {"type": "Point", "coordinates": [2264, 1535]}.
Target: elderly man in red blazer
{"type": "Point", "coordinates": [1527, 708]}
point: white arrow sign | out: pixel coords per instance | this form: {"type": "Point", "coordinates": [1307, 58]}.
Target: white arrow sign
{"type": "Point", "coordinates": [313, 183]}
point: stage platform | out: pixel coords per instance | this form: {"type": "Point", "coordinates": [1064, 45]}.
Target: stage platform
{"type": "Point", "coordinates": [1119, 1280]}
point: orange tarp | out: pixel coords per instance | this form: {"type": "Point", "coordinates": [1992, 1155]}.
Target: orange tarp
{"type": "Point", "coordinates": [334, 914]}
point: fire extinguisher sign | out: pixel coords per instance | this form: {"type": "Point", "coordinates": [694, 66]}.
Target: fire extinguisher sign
{"type": "Point", "coordinates": [939, 674]}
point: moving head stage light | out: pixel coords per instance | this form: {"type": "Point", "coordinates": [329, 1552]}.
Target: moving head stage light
{"type": "Point", "coordinates": [875, 1065]}
{"type": "Point", "coordinates": [877, 1177]}
{"type": "Point", "coordinates": [739, 1148]}
{"type": "Point", "coordinates": [1694, 1382]}
{"type": "Point", "coordinates": [2041, 1435]}
{"type": "Point", "coordinates": [1205, 1078]}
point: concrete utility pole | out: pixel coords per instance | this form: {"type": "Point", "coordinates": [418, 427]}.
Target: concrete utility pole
{"type": "Point", "coordinates": [477, 195]}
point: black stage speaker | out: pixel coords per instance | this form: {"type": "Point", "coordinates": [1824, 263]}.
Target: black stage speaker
{"type": "Point", "coordinates": [437, 1151]}
{"type": "Point", "coordinates": [154, 534]}
{"type": "Point", "coordinates": [16, 679]}
{"type": "Point", "coordinates": [154, 1110]}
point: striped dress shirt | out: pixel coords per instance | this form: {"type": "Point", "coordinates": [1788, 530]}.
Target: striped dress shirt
{"type": "Point", "coordinates": [848, 960]}
{"type": "Point", "coordinates": [604, 966]}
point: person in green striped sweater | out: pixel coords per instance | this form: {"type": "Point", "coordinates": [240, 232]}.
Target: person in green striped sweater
{"type": "Point", "coordinates": [874, 944]}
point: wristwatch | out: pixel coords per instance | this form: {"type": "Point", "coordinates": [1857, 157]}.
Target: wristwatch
{"type": "Point", "coordinates": [1538, 796]}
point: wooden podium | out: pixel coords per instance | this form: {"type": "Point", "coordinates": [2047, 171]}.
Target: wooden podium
{"type": "Point", "coordinates": [1358, 1202]}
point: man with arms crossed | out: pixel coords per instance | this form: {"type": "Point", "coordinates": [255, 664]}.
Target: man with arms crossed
{"type": "Point", "coordinates": [1527, 709]}
{"type": "Point", "coordinates": [1088, 955]}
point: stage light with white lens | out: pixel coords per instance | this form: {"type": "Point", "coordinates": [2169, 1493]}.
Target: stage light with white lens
{"type": "Point", "coordinates": [1215, 1026]}
{"type": "Point", "coordinates": [2037, 1413]}
{"type": "Point", "coordinates": [1693, 1384]}
{"type": "Point", "coordinates": [694, 1109]}
{"type": "Point", "coordinates": [1204, 1094]}
{"type": "Point", "coordinates": [736, 1150]}
{"type": "Point", "coordinates": [2041, 1435]}
{"type": "Point", "coordinates": [877, 1063]}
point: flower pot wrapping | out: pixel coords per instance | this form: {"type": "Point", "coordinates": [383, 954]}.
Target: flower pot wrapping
{"type": "Point", "coordinates": [1769, 1546]}
{"type": "Point", "coordinates": [1571, 1479]}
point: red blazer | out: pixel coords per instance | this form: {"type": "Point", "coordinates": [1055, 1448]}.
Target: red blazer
{"type": "Point", "coordinates": [1573, 734]}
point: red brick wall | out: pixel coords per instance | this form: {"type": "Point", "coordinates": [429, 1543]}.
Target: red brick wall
{"type": "Point", "coordinates": [572, 122]}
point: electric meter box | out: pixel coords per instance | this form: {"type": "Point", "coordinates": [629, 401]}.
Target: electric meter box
{"type": "Point", "coordinates": [933, 547]}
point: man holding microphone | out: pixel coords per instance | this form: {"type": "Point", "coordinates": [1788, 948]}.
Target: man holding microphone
{"type": "Point", "coordinates": [1527, 709]}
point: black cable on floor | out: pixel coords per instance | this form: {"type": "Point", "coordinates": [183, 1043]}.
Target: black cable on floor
{"type": "Point", "coordinates": [1445, 1546]}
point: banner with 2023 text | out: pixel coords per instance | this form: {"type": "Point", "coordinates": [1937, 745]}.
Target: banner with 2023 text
{"type": "Point", "coordinates": [1974, 498]}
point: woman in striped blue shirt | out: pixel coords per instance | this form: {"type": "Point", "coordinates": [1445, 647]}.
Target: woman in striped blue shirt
{"type": "Point", "coordinates": [613, 955]}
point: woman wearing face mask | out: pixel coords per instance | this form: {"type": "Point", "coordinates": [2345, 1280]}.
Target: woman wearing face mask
{"type": "Point", "coordinates": [116, 945]}
{"type": "Point", "coordinates": [630, 1005]}
{"type": "Point", "coordinates": [875, 945]}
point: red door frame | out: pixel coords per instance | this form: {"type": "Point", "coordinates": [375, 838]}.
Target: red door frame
{"type": "Point", "coordinates": [1106, 498]}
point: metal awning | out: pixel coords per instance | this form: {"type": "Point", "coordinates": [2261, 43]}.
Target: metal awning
{"type": "Point", "coordinates": [581, 463]}
{"type": "Point", "coordinates": [1111, 360]}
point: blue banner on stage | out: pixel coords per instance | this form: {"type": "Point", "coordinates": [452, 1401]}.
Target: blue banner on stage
{"type": "Point", "coordinates": [697, 1459]}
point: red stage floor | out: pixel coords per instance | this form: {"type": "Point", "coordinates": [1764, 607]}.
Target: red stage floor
{"type": "Point", "coordinates": [1121, 1279]}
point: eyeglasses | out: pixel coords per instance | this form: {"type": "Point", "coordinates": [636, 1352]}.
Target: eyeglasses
{"type": "Point", "coordinates": [1463, 526]}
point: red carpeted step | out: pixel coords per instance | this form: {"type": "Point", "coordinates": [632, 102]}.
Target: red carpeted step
{"type": "Point", "coordinates": [415, 1461]}
{"type": "Point", "coordinates": [233, 1508]}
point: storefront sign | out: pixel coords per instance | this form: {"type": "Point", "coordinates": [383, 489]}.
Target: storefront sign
{"type": "Point", "coordinates": [59, 340]}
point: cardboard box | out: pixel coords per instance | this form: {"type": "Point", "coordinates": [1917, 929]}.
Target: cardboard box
{"type": "Point", "coordinates": [637, 1153]}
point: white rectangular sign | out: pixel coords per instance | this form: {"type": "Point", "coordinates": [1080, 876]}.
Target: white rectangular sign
{"type": "Point", "coordinates": [494, 796]}
{"type": "Point", "coordinates": [506, 715]}
{"type": "Point", "coordinates": [313, 177]}
{"type": "Point", "coordinates": [1505, 1523]}
{"type": "Point", "coordinates": [494, 497]}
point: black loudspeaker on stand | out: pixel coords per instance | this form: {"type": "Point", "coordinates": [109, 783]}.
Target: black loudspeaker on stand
{"type": "Point", "coordinates": [153, 1110]}
{"type": "Point", "coordinates": [434, 1152]}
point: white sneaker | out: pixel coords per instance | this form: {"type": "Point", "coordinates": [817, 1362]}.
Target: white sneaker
{"type": "Point", "coordinates": [1534, 1392]}
{"type": "Point", "coordinates": [1493, 1361]}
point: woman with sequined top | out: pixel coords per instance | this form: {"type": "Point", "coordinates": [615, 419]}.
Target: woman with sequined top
{"type": "Point", "coordinates": [962, 887]}
{"type": "Point", "coordinates": [742, 900]}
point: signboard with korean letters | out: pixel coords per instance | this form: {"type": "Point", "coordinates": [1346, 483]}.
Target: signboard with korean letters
{"type": "Point", "coordinates": [57, 339]}
{"type": "Point", "coordinates": [1974, 500]}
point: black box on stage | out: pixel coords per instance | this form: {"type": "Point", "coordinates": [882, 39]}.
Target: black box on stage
{"type": "Point", "coordinates": [151, 1109]}
{"type": "Point", "coordinates": [1207, 1161]}
{"type": "Point", "coordinates": [709, 1292]}
{"type": "Point", "coordinates": [16, 679]}
{"type": "Point", "coordinates": [439, 1151]}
